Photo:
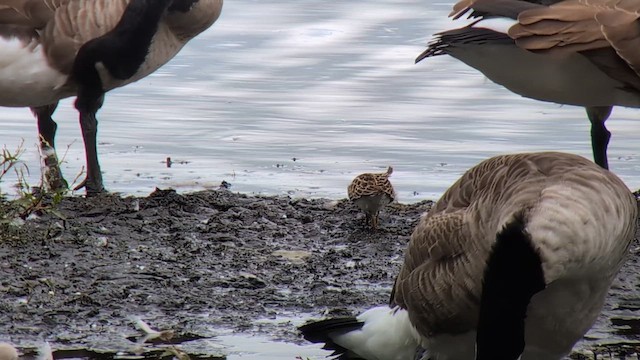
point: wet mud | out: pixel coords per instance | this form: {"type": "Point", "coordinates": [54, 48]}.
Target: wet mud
{"type": "Point", "coordinates": [201, 264]}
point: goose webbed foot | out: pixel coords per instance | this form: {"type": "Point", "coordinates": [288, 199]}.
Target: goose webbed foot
{"type": "Point", "coordinates": [91, 187]}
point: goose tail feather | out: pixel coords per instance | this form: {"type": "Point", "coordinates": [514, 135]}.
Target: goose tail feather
{"type": "Point", "coordinates": [380, 333]}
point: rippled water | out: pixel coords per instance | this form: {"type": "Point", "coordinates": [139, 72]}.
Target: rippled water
{"type": "Point", "coordinates": [329, 84]}
{"type": "Point", "coordinates": [284, 97]}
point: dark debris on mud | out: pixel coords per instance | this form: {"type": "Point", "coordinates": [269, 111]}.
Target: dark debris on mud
{"type": "Point", "coordinates": [202, 262]}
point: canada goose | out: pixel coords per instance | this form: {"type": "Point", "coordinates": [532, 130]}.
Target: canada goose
{"type": "Point", "coordinates": [50, 50]}
{"type": "Point", "coordinates": [575, 52]}
{"type": "Point", "coordinates": [516, 257]}
{"type": "Point", "coordinates": [371, 192]}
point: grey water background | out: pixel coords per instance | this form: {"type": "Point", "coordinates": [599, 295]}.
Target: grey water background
{"type": "Point", "coordinates": [331, 84]}
{"type": "Point", "coordinates": [283, 97]}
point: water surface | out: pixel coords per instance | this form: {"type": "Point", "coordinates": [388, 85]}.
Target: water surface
{"type": "Point", "coordinates": [299, 97]}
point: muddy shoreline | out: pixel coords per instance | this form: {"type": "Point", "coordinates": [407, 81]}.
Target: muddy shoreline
{"type": "Point", "coordinates": [202, 262]}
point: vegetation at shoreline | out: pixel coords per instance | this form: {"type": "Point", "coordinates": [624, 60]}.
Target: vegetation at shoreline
{"type": "Point", "coordinates": [30, 200]}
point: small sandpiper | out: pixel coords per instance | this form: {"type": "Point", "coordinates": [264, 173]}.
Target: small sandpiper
{"type": "Point", "coordinates": [371, 192]}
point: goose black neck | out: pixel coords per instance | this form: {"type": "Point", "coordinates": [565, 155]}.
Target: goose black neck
{"type": "Point", "coordinates": [513, 274]}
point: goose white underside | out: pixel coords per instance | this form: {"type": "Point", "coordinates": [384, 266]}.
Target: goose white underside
{"type": "Point", "coordinates": [566, 309]}
{"type": "Point", "coordinates": [26, 79]}
{"type": "Point", "coordinates": [567, 78]}
{"type": "Point", "coordinates": [387, 334]}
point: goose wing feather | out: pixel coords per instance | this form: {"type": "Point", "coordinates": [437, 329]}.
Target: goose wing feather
{"type": "Point", "coordinates": [62, 26]}
{"type": "Point", "coordinates": [580, 25]}
{"type": "Point", "coordinates": [441, 262]}
{"type": "Point", "coordinates": [490, 8]}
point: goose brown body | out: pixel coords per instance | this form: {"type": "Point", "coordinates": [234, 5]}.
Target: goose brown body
{"type": "Point", "coordinates": [62, 27]}
{"type": "Point", "coordinates": [581, 220]}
